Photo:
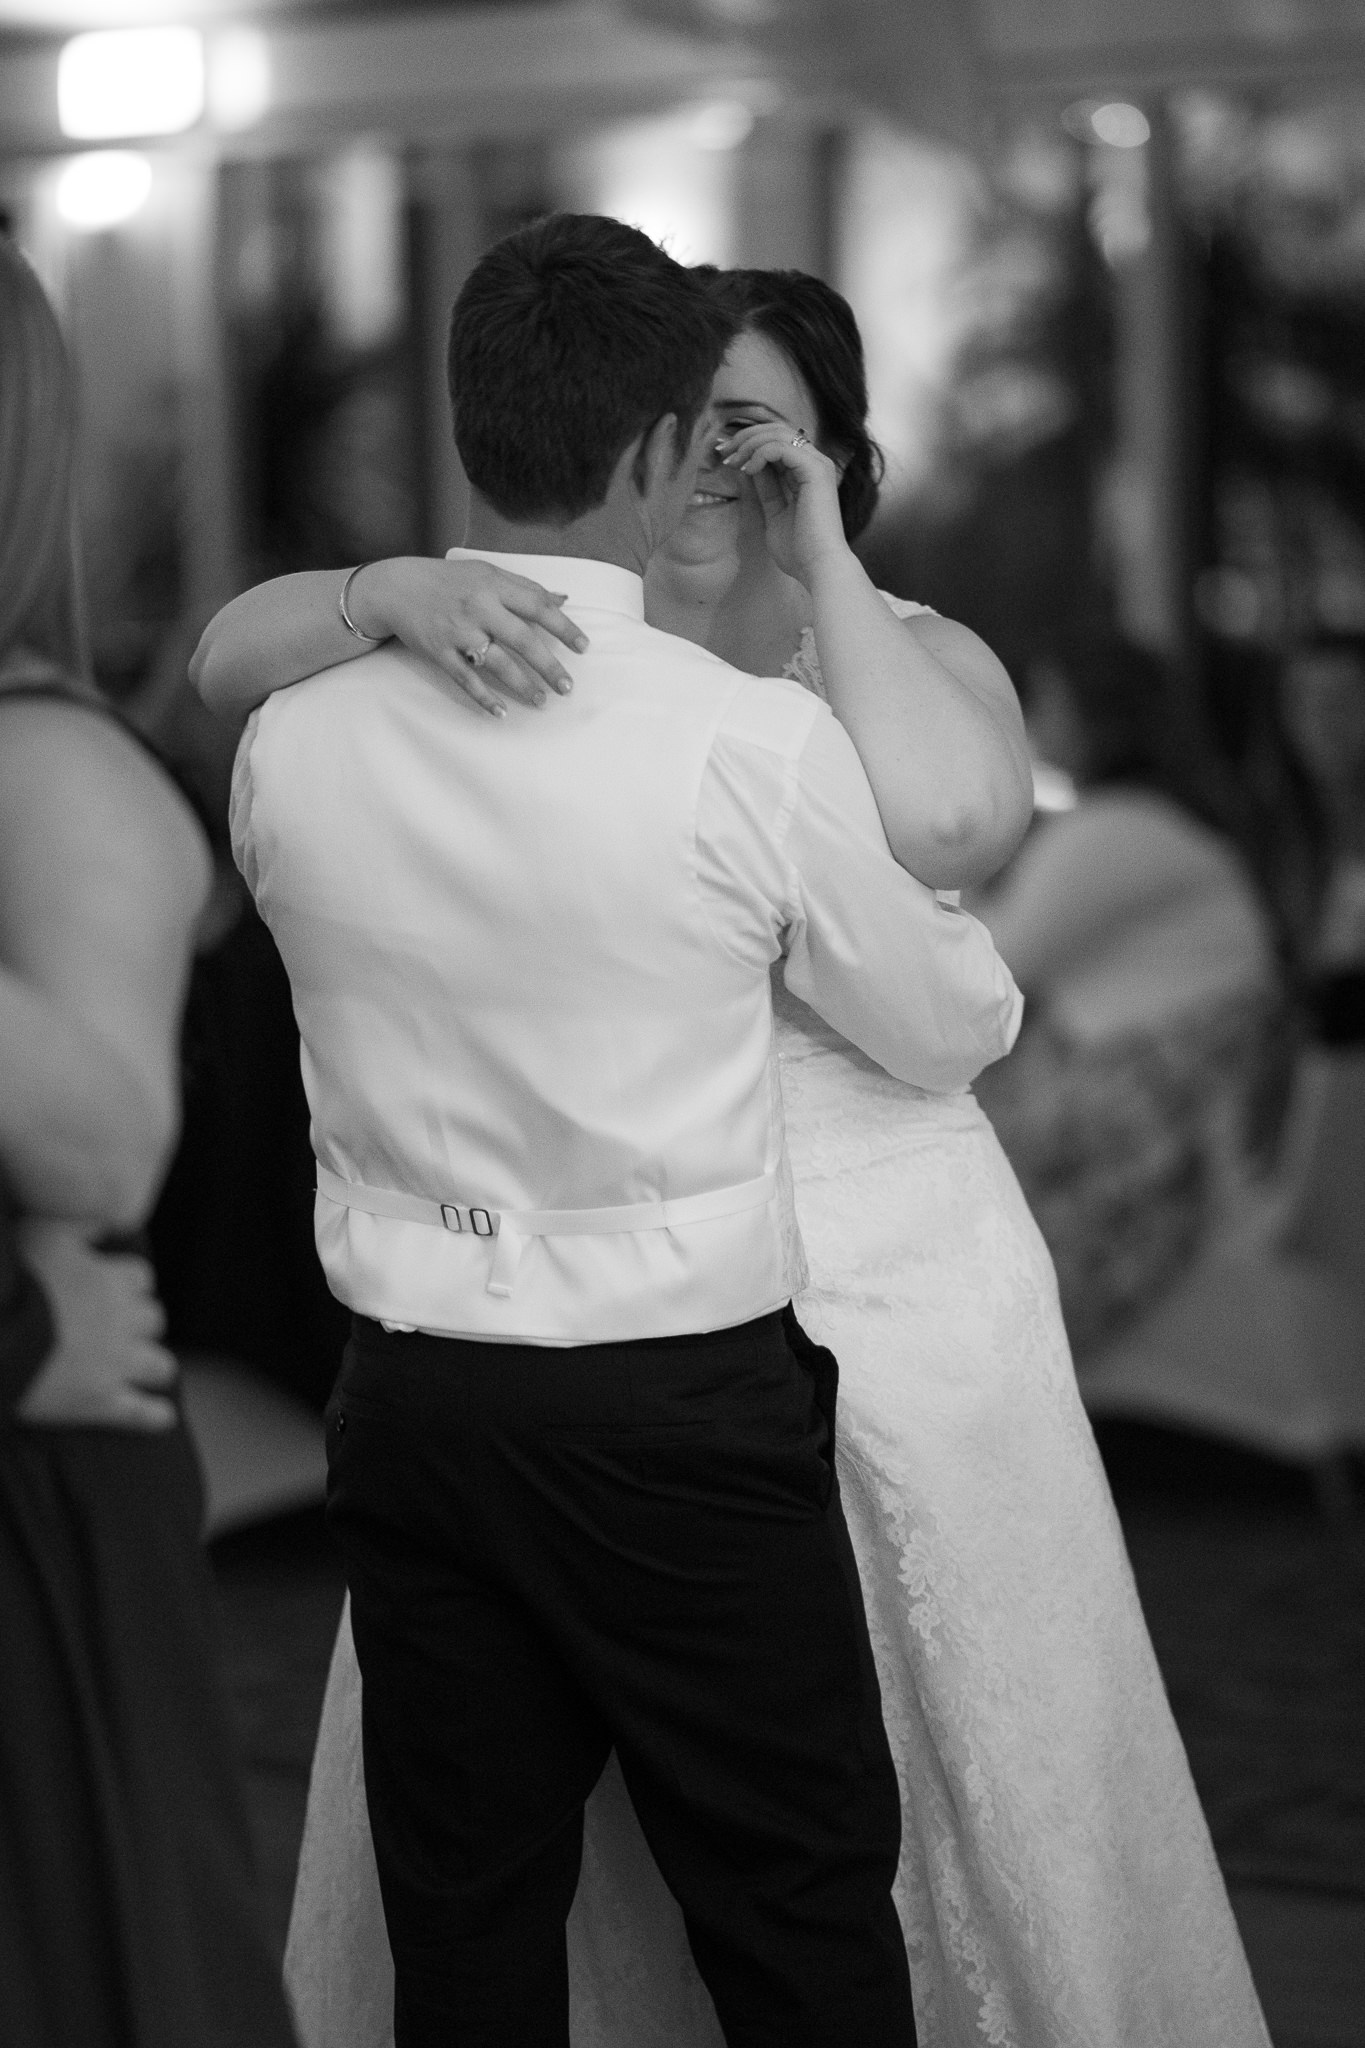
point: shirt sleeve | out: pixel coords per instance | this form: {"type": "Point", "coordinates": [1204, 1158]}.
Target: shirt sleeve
{"type": "Point", "coordinates": [793, 858]}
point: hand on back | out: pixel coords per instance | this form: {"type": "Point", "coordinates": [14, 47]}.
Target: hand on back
{"type": "Point", "coordinates": [452, 610]}
{"type": "Point", "coordinates": [107, 1369]}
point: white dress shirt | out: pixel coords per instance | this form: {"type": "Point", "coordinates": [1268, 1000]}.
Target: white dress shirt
{"type": "Point", "coordinates": [529, 959]}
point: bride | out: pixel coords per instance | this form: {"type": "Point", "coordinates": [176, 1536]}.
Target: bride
{"type": "Point", "coordinates": [1057, 1885]}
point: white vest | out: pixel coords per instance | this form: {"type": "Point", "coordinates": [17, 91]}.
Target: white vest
{"type": "Point", "coordinates": [519, 995]}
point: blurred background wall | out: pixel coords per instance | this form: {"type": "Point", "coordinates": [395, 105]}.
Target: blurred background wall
{"type": "Point", "coordinates": [1109, 260]}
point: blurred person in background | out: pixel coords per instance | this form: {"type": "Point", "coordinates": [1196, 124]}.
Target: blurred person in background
{"type": "Point", "coordinates": [1057, 1882]}
{"type": "Point", "coordinates": [1160, 931]}
{"type": "Point", "coordinates": [127, 1908]}
{"type": "Point", "coordinates": [1324, 701]}
{"type": "Point", "coordinates": [231, 1235]}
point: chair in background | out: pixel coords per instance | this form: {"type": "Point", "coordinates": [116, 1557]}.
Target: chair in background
{"type": "Point", "coordinates": [1262, 1342]}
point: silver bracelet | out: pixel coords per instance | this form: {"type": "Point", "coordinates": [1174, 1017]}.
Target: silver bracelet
{"type": "Point", "coordinates": [372, 639]}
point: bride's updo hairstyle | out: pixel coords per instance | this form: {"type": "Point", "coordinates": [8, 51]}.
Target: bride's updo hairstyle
{"type": "Point", "coordinates": [569, 340]}
{"type": "Point", "coordinates": [815, 329]}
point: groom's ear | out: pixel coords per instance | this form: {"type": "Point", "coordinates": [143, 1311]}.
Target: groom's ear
{"type": "Point", "coordinates": [657, 456]}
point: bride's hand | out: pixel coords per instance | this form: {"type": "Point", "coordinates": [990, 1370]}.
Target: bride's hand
{"type": "Point", "coordinates": [448, 610]}
{"type": "Point", "coordinates": [798, 491]}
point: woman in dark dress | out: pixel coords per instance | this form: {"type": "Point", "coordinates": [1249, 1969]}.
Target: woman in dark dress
{"type": "Point", "coordinates": [128, 1915]}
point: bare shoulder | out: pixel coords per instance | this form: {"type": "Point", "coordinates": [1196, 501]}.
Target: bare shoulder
{"type": "Point", "coordinates": [80, 797]}
{"type": "Point", "coordinates": [951, 641]}
{"type": "Point", "coordinates": [960, 650]}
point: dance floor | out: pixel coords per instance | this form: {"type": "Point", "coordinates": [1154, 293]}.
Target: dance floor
{"type": "Point", "coordinates": [1256, 1602]}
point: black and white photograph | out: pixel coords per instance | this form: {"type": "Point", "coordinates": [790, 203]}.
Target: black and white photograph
{"type": "Point", "coordinates": [682, 1024]}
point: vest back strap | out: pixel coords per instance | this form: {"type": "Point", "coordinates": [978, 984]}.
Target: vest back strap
{"type": "Point", "coordinates": [512, 1227]}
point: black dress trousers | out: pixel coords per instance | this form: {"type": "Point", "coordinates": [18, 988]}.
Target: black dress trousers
{"type": "Point", "coordinates": [554, 1551]}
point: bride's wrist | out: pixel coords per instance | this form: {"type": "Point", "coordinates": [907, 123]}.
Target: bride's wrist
{"type": "Point", "coordinates": [833, 563]}
{"type": "Point", "coordinates": [374, 597]}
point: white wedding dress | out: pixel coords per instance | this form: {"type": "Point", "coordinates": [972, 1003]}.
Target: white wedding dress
{"type": "Point", "coordinates": [1057, 1884]}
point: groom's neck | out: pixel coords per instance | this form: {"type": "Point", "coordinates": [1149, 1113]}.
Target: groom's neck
{"type": "Point", "coordinates": [606, 534]}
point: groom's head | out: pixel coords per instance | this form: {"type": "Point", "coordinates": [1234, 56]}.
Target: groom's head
{"type": "Point", "coordinates": [572, 342]}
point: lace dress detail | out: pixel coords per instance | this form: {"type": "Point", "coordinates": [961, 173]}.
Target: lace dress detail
{"type": "Point", "coordinates": [1057, 1886]}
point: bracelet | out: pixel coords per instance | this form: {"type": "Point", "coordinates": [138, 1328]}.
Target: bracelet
{"type": "Point", "coordinates": [347, 621]}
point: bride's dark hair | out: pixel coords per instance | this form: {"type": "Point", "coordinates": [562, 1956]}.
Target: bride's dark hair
{"type": "Point", "coordinates": [815, 329]}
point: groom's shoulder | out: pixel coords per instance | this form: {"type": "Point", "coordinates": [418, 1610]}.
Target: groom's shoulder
{"type": "Point", "coordinates": [333, 690]}
{"type": "Point", "coordinates": [355, 702]}
{"type": "Point", "coordinates": [770, 712]}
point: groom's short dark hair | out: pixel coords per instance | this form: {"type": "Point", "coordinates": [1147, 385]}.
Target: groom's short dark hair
{"type": "Point", "coordinates": [569, 339]}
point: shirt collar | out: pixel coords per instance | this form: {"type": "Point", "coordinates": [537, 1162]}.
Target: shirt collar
{"type": "Point", "coordinates": [601, 586]}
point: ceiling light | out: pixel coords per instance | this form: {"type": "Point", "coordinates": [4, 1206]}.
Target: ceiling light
{"type": "Point", "coordinates": [238, 78]}
{"type": "Point", "coordinates": [135, 81]}
{"type": "Point", "coordinates": [1120, 125]}
{"type": "Point", "coordinates": [103, 187]}
{"type": "Point", "coordinates": [719, 124]}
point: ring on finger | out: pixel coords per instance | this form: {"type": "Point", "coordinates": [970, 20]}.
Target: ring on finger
{"type": "Point", "coordinates": [477, 656]}
{"type": "Point", "coordinates": [801, 439]}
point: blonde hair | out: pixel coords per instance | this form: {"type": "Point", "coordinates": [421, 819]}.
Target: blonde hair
{"type": "Point", "coordinates": [40, 612]}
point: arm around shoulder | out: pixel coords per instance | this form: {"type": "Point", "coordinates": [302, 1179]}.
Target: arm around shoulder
{"type": "Point", "coordinates": [442, 609]}
{"type": "Point", "coordinates": [269, 637]}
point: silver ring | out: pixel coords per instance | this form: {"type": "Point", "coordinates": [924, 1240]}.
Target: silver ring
{"type": "Point", "coordinates": [801, 439]}
{"type": "Point", "coordinates": [477, 656]}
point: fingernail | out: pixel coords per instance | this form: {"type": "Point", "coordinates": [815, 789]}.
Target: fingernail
{"type": "Point", "coordinates": [581, 643]}
{"type": "Point", "coordinates": [563, 684]}
{"type": "Point", "coordinates": [498, 710]}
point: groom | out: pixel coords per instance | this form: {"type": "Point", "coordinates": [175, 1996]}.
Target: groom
{"type": "Point", "coordinates": [580, 1455]}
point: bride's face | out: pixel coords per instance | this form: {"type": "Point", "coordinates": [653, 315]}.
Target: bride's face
{"type": "Point", "coordinates": [755, 382]}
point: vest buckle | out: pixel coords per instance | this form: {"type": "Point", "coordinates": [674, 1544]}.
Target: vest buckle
{"type": "Point", "coordinates": [480, 1221]}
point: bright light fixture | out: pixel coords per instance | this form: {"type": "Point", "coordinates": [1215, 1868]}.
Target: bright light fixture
{"type": "Point", "coordinates": [238, 78]}
{"type": "Point", "coordinates": [135, 81]}
{"type": "Point", "coordinates": [103, 187]}
{"type": "Point", "coordinates": [1120, 125]}
{"type": "Point", "coordinates": [719, 124]}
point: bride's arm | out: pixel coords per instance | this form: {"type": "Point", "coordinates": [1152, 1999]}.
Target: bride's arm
{"type": "Point", "coordinates": [936, 723]}
{"type": "Point", "coordinates": [931, 712]}
{"type": "Point", "coordinates": [292, 627]}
